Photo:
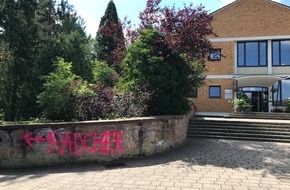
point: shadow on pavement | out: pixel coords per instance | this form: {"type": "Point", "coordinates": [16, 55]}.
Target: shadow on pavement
{"type": "Point", "coordinates": [271, 158]}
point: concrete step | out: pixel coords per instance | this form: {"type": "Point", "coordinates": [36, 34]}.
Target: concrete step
{"type": "Point", "coordinates": [247, 122]}
{"type": "Point", "coordinates": [260, 115]}
{"type": "Point", "coordinates": [241, 138]}
{"type": "Point", "coordinates": [244, 129]}
{"type": "Point", "coordinates": [242, 134]}
{"type": "Point", "coordinates": [239, 127]}
{"type": "Point", "coordinates": [252, 131]}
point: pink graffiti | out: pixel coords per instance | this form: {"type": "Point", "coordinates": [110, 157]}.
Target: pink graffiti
{"type": "Point", "coordinates": [104, 143]}
{"type": "Point", "coordinates": [28, 137]}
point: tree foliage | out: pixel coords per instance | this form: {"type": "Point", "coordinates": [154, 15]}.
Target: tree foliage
{"type": "Point", "coordinates": [61, 90]}
{"type": "Point", "coordinates": [185, 30]}
{"type": "Point", "coordinates": [69, 41]}
{"type": "Point", "coordinates": [72, 47]}
{"type": "Point", "coordinates": [152, 65]}
{"type": "Point", "coordinates": [45, 20]}
{"type": "Point", "coordinates": [34, 33]}
{"type": "Point", "coordinates": [19, 33]}
{"type": "Point", "coordinates": [110, 44]}
{"type": "Point", "coordinates": [6, 65]}
{"type": "Point", "coordinates": [103, 74]}
{"type": "Point", "coordinates": [56, 97]}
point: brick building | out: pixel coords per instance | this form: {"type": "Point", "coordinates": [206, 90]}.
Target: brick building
{"type": "Point", "coordinates": [251, 56]}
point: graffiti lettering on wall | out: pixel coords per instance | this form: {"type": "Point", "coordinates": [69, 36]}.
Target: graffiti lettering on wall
{"type": "Point", "coordinates": [76, 144]}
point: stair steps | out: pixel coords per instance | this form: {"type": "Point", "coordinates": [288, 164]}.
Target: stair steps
{"type": "Point", "coordinates": [240, 129]}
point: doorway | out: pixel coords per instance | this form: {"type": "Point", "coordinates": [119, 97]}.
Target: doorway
{"type": "Point", "coordinates": [257, 97]}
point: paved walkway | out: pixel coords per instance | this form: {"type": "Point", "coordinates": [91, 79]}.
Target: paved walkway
{"type": "Point", "coordinates": [198, 164]}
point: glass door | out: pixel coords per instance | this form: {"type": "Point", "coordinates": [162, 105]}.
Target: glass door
{"type": "Point", "coordinates": [257, 97]}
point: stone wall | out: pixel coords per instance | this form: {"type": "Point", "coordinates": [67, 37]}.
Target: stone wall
{"type": "Point", "coordinates": [92, 141]}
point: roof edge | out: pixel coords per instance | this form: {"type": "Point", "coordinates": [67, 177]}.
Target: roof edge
{"type": "Point", "coordinates": [280, 4]}
{"type": "Point", "coordinates": [226, 6]}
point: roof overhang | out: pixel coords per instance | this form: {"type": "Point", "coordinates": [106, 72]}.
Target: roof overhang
{"type": "Point", "coordinates": [261, 81]}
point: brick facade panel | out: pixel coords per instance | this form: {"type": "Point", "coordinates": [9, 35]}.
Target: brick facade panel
{"type": "Point", "coordinates": [249, 18]}
{"type": "Point", "coordinates": [226, 65]}
{"type": "Point", "coordinates": [205, 104]}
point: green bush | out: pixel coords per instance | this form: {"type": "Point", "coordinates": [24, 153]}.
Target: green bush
{"type": "Point", "coordinates": [95, 104]}
{"type": "Point", "coordinates": [104, 74]}
{"type": "Point", "coordinates": [132, 104]}
{"type": "Point", "coordinates": [152, 65]}
{"type": "Point", "coordinates": [242, 104]}
{"type": "Point", "coordinates": [55, 100]}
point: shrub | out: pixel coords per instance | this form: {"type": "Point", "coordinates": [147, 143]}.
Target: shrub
{"type": "Point", "coordinates": [105, 104]}
{"type": "Point", "coordinates": [56, 99]}
{"type": "Point", "coordinates": [151, 64]}
{"type": "Point", "coordinates": [242, 104]}
{"type": "Point", "coordinates": [96, 105]}
{"type": "Point", "coordinates": [104, 74]}
{"type": "Point", "coordinates": [132, 104]}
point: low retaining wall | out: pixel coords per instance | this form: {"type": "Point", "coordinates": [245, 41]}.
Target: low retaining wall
{"type": "Point", "coordinates": [68, 143]}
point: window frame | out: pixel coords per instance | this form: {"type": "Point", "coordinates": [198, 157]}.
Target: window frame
{"type": "Point", "coordinates": [215, 50]}
{"type": "Point", "coordinates": [215, 86]}
{"type": "Point", "coordinates": [280, 56]}
{"type": "Point", "coordinates": [280, 91]}
{"type": "Point", "coordinates": [259, 54]}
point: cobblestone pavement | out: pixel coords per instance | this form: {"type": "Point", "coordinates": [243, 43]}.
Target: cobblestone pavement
{"type": "Point", "coordinates": [198, 164]}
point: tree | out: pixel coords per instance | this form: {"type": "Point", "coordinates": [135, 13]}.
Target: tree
{"type": "Point", "coordinates": [6, 65]}
{"type": "Point", "coordinates": [19, 33]}
{"type": "Point", "coordinates": [110, 44]}
{"type": "Point", "coordinates": [152, 65]}
{"type": "Point", "coordinates": [186, 30]}
{"type": "Point", "coordinates": [70, 42]}
{"type": "Point", "coordinates": [45, 20]}
{"type": "Point", "coordinates": [32, 33]}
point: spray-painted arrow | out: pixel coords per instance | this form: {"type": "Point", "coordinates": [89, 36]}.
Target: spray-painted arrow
{"type": "Point", "coordinates": [29, 139]}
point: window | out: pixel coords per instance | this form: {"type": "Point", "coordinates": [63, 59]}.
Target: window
{"type": "Point", "coordinates": [252, 54]}
{"type": "Point", "coordinates": [281, 93]}
{"type": "Point", "coordinates": [214, 91]}
{"type": "Point", "coordinates": [215, 55]}
{"type": "Point", "coordinates": [281, 53]}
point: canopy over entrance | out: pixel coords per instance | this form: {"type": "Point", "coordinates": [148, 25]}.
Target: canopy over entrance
{"type": "Point", "coordinates": [261, 81]}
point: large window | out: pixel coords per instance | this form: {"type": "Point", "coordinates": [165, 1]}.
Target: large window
{"type": "Point", "coordinates": [281, 53]}
{"type": "Point", "coordinates": [214, 91]}
{"type": "Point", "coordinates": [252, 54]}
{"type": "Point", "coordinates": [281, 93]}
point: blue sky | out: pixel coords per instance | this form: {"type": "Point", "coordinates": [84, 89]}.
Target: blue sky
{"type": "Point", "coordinates": [92, 10]}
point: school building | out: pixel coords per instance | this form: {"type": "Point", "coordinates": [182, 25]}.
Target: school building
{"type": "Point", "coordinates": [250, 56]}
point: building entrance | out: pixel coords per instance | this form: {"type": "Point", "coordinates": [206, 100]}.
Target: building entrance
{"type": "Point", "coordinates": [257, 97]}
